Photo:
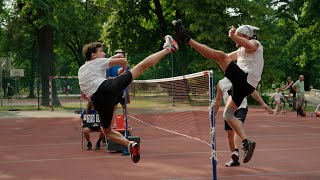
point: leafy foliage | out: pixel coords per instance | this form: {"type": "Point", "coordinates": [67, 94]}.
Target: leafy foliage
{"type": "Point", "coordinates": [289, 32]}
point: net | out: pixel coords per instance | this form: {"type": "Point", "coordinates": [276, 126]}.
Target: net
{"type": "Point", "coordinates": [175, 110]}
{"type": "Point", "coordinates": [66, 94]}
{"type": "Point", "coordinates": [177, 105]}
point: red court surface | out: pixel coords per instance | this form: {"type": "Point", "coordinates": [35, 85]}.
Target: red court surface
{"type": "Point", "coordinates": [50, 149]}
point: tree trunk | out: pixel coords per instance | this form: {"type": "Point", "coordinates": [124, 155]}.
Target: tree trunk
{"type": "Point", "coordinates": [46, 57]}
{"type": "Point", "coordinates": [32, 77]}
{"type": "Point", "coordinates": [159, 14]}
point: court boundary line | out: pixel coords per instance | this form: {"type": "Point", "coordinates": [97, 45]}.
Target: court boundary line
{"type": "Point", "coordinates": [98, 157]}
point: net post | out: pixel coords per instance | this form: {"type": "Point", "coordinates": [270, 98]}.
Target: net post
{"type": "Point", "coordinates": [50, 93]}
{"type": "Point", "coordinates": [212, 125]}
{"type": "Point", "coordinates": [125, 152]}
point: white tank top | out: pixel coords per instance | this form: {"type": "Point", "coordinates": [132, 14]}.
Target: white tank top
{"type": "Point", "coordinates": [251, 63]}
{"type": "Point", "coordinates": [225, 85]}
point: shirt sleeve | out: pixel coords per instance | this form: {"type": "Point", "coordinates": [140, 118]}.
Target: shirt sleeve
{"type": "Point", "coordinates": [103, 63]}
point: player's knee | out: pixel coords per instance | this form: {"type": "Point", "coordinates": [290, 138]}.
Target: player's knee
{"type": "Point", "coordinates": [228, 113]}
{"type": "Point", "coordinates": [86, 130]}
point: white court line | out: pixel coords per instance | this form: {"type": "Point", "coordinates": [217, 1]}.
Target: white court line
{"type": "Point", "coordinates": [146, 155]}
{"type": "Point", "coordinates": [173, 132]}
{"type": "Point", "coordinates": [251, 175]}
{"type": "Point", "coordinates": [33, 145]}
{"type": "Point", "coordinates": [97, 157]}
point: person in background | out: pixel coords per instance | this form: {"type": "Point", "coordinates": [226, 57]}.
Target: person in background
{"type": "Point", "coordinates": [288, 85]}
{"type": "Point", "coordinates": [9, 92]}
{"type": "Point", "coordinates": [91, 122]}
{"type": "Point", "coordinates": [298, 87]}
{"type": "Point", "coordinates": [112, 73]}
{"type": "Point", "coordinates": [277, 96]}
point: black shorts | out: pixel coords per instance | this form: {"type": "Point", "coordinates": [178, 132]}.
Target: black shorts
{"type": "Point", "coordinates": [240, 114]}
{"type": "Point", "coordinates": [120, 100]}
{"type": "Point", "coordinates": [240, 87]}
{"type": "Point", "coordinates": [95, 129]}
{"type": "Point", "coordinates": [105, 98]}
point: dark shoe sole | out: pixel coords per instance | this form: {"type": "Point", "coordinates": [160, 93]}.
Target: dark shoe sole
{"type": "Point", "coordinates": [234, 164]}
{"type": "Point", "coordinates": [250, 153]}
{"type": "Point", "coordinates": [135, 153]}
{"type": "Point", "coordinates": [235, 158]}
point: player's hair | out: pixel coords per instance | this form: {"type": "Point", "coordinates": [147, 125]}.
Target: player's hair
{"type": "Point", "coordinates": [90, 48]}
{"type": "Point", "coordinates": [120, 51]}
{"type": "Point", "coordinates": [255, 36]}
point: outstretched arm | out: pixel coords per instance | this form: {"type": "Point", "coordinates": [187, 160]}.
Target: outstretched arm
{"type": "Point", "coordinates": [258, 98]}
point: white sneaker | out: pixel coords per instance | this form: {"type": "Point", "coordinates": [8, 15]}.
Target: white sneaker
{"type": "Point", "coordinates": [231, 163]}
{"type": "Point", "coordinates": [170, 44]}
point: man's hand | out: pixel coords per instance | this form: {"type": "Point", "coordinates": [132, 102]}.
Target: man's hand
{"type": "Point", "coordinates": [267, 108]}
{"type": "Point", "coordinates": [232, 32]}
{"type": "Point", "coordinates": [84, 97]}
{"type": "Point", "coordinates": [121, 70]}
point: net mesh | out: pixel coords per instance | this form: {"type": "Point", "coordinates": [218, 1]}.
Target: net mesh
{"type": "Point", "coordinates": [67, 93]}
{"type": "Point", "coordinates": [177, 105]}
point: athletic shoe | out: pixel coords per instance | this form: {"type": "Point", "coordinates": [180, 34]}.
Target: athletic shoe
{"type": "Point", "coordinates": [235, 156]}
{"type": "Point", "coordinates": [181, 31]}
{"type": "Point", "coordinates": [170, 44]}
{"type": "Point", "coordinates": [98, 145]}
{"type": "Point", "coordinates": [89, 146]}
{"type": "Point", "coordinates": [248, 148]}
{"type": "Point", "coordinates": [232, 163]}
{"type": "Point", "coordinates": [134, 150]}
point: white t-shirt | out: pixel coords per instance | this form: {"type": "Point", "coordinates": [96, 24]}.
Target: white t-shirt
{"type": "Point", "coordinates": [277, 96]}
{"type": "Point", "coordinates": [92, 74]}
{"type": "Point", "coordinates": [225, 85]}
{"type": "Point", "coordinates": [251, 63]}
